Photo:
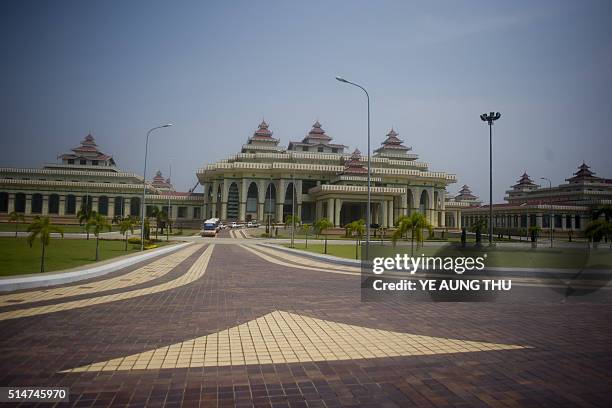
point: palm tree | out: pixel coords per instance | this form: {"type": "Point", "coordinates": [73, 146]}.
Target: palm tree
{"type": "Point", "coordinates": [598, 229]}
{"type": "Point", "coordinates": [322, 225]}
{"type": "Point", "coordinates": [42, 227]}
{"type": "Point", "coordinates": [158, 215]}
{"type": "Point", "coordinates": [356, 228]}
{"type": "Point", "coordinates": [127, 224]}
{"type": "Point", "coordinates": [84, 215]}
{"type": "Point", "coordinates": [99, 223]}
{"type": "Point", "coordinates": [606, 210]}
{"type": "Point", "coordinates": [16, 217]}
{"type": "Point", "coordinates": [478, 227]}
{"type": "Point", "coordinates": [291, 219]}
{"type": "Point", "coordinates": [306, 228]}
{"type": "Point", "coordinates": [415, 223]}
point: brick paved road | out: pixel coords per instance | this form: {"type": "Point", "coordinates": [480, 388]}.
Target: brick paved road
{"type": "Point", "coordinates": [226, 327]}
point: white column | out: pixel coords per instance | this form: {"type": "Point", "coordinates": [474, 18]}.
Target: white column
{"type": "Point", "coordinates": [385, 219]}
{"type": "Point", "coordinates": [111, 207]}
{"type": "Point", "coordinates": [45, 204]}
{"type": "Point", "coordinates": [330, 210]}
{"type": "Point", "coordinates": [28, 204]}
{"type": "Point", "coordinates": [338, 207]}
{"type": "Point", "coordinates": [391, 213]}
{"type": "Point", "coordinates": [62, 205]}
{"type": "Point", "coordinates": [11, 202]}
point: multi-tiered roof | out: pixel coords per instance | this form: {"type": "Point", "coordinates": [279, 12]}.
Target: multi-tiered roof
{"type": "Point", "coordinates": [354, 165]}
{"type": "Point", "coordinates": [583, 174]}
{"type": "Point", "coordinates": [161, 183]}
{"type": "Point", "coordinates": [317, 138]}
{"type": "Point", "coordinates": [262, 140]}
{"type": "Point", "coordinates": [392, 146]}
{"type": "Point", "coordinates": [525, 183]}
{"type": "Point", "coordinates": [88, 151]}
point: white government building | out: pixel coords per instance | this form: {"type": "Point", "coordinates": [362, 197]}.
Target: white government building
{"type": "Point", "coordinates": [259, 183]}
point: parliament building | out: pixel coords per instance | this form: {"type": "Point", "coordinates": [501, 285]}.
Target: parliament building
{"type": "Point", "coordinates": [311, 178]}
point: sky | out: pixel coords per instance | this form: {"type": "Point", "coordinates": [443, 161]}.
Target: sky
{"type": "Point", "coordinates": [215, 69]}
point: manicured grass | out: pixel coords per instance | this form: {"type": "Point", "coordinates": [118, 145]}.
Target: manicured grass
{"type": "Point", "coordinates": [499, 256]}
{"type": "Point", "coordinates": [10, 227]}
{"type": "Point", "coordinates": [16, 256]}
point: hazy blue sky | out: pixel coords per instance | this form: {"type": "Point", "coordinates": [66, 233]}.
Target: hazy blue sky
{"type": "Point", "coordinates": [215, 69]}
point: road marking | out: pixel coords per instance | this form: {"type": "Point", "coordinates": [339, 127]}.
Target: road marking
{"type": "Point", "coordinates": [290, 265]}
{"type": "Point", "coordinates": [153, 270]}
{"type": "Point", "coordinates": [282, 337]}
{"type": "Point", "coordinates": [195, 272]}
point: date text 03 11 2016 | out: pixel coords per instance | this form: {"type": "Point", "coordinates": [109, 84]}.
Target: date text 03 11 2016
{"type": "Point", "coordinates": [34, 394]}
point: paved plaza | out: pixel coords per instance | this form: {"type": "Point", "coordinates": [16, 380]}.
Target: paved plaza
{"type": "Point", "coordinates": [227, 322]}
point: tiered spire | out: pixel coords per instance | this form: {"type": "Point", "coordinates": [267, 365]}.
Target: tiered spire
{"type": "Point", "coordinates": [584, 173]}
{"type": "Point", "coordinates": [160, 182]}
{"type": "Point", "coordinates": [317, 135]}
{"type": "Point", "coordinates": [392, 146]}
{"type": "Point", "coordinates": [88, 150]}
{"type": "Point", "coordinates": [354, 165]}
{"type": "Point", "coordinates": [465, 194]}
{"type": "Point", "coordinates": [263, 132]}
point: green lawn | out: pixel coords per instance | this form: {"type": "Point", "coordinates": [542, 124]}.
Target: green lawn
{"type": "Point", "coordinates": [16, 256]}
{"type": "Point", "coordinates": [10, 227]}
{"type": "Point", "coordinates": [504, 257]}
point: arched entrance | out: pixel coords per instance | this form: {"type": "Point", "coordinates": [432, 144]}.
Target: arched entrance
{"type": "Point", "coordinates": [288, 202]}
{"type": "Point", "coordinates": [270, 202]}
{"type": "Point", "coordinates": [424, 202]}
{"type": "Point", "coordinates": [233, 198]}
{"type": "Point", "coordinates": [251, 202]}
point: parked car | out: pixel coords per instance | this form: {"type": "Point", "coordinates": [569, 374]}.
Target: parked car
{"type": "Point", "coordinates": [234, 225]}
{"type": "Point", "coordinates": [249, 224]}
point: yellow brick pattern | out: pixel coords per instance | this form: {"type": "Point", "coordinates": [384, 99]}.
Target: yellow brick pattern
{"type": "Point", "coordinates": [282, 337]}
{"type": "Point", "coordinates": [141, 275]}
{"type": "Point", "coordinates": [194, 273]}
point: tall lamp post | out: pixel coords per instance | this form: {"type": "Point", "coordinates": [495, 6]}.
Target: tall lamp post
{"type": "Point", "coordinates": [368, 216]}
{"type": "Point", "coordinates": [144, 185]}
{"type": "Point", "coordinates": [168, 212]}
{"type": "Point", "coordinates": [490, 118]}
{"type": "Point", "coordinates": [552, 213]}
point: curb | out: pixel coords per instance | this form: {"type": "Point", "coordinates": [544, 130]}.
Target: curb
{"type": "Point", "coordinates": [58, 277]}
{"type": "Point", "coordinates": [319, 257]}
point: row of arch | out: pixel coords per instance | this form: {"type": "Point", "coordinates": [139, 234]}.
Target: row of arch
{"type": "Point", "coordinates": [252, 199]}
{"type": "Point", "coordinates": [70, 206]}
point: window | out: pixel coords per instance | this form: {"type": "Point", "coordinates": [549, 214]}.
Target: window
{"type": "Point", "coordinates": [320, 149]}
{"type": "Point", "coordinates": [182, 212]}
{"type": "Point", "coordinates": [83, 162]}
{"type": "Point", "coordinates": [197, 212]}
{"type": "Point", "coordinates": [577, 222]}
{"type": "Point", "coordinates": [53, 204]}
{"type": "Point", "coordinates": [334, 150]}
{"type": "Point", "coordinates": [103, 205]}
{"type": "Point", "coordinates": [568, 222]}
{"type": "Point", "coordinates": [70, 204]}
{"type": "Point", "coordinates": [70, 161]}
{"type": "Point", "coordinates": [134, 206]}
{"type": "Point", "coordinates": [118, 210]}
{"type": "Point", "coordinates": [36, 203]}
{"type": "Point", "coordinates": [94, 162]}
{"type": "Point", "coordinates": [4, 197]}
{"type": "Point", "coordinates": [20, 202]}
{"type": "Point", "coordinates": [304, 148]}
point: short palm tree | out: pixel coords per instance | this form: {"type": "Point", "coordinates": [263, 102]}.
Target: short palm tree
{"type": "Point", "coordinates": [158, 215]}
{"type": "Point", "coordinates": [415, 223]}
{"type": "Point", "coordinates": [99, 223]}
{"type": "Point", "coordinates": [16, 217]}
{"type": "Point", "coordinates": [126, 225]}
{"type": "Point", "coordinates": [42, 227]}
{"type": "Point", "coordinates": [84, 215]}
{"type": "Point", "coordinates": [306, 229]}
{"type": "Point", "coordinates": [290, 220]}
{"type": "Point", "coordinates": [322, 225]}
{"type": "Point", "coordinates": [356, 228]}
{"type": "Point", "coordinates": [598, 229]}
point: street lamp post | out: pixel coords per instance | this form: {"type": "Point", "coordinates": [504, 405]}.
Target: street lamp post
{"type": "Point", "coordinates": [168, 212]}
{"type": "Point", "coordinates": [490, 118]}
{"type": "Point", "coordinates": [552, 213]}
{"type": "Point", "coordinates": [144, 184]}
{"type": "Point", "coordinates": [368, 217]}
{"type": "Point", "coordinates": [293, 201]}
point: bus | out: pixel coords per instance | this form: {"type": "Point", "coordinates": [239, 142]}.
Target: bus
{"type": "Point", "coordinates": [210, 227]}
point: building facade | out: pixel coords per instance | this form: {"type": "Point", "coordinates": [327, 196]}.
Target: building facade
{"type": "Point", "coordinates": [314, 178]}
{"type": "Point", "coordinates": [564, 208]}
{"type": "Point", "coordinates": [88, 178]}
